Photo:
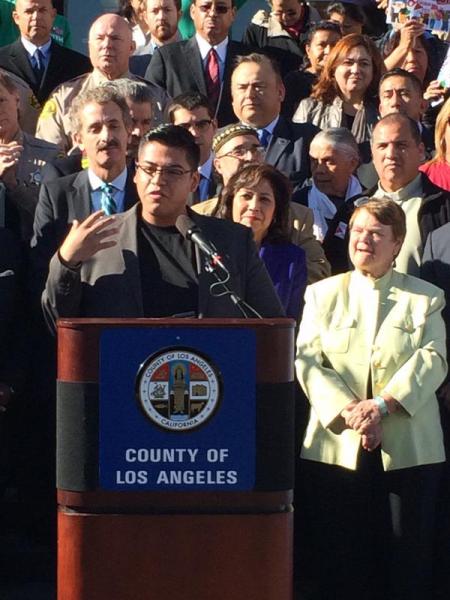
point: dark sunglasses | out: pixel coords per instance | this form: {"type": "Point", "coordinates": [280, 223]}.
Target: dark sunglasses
{"type": "Point", "coordinates": [221, 9]}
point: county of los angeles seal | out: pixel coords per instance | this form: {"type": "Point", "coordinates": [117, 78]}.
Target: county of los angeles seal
{"type": "Point", "coordinates": [178, 389]}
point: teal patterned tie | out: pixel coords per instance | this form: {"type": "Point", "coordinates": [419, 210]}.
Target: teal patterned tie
{"type": "Point", "coordinates": [109, 205]}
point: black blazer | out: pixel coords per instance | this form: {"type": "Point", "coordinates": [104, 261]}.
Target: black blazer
{"type": "Point", "coordinates": [60, 167]}
{"type": "Point", "coordinates": [288, 150]}
{"type": "Point", "coordinates": [114, 274]}
{"type": "Point", "coordinates": [178, 69]}
{"type": "Point", "coordinates": [139, 64]}
{"type": "Point", "coordinates": [436, 269]}
{"type": "Point", "coordinates": [214, 187]}
{"type": "Point", "coordinates": [64, 64]}
{"type": "Point", "coordinates": [14, 338]}
{"type": "Point", "coordinates": [61, 202]}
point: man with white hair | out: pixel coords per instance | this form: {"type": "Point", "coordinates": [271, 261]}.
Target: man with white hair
{"type": "Point", "coordinates": [334, 157]}
{"type": "Point", "coordinates": [110, 48]}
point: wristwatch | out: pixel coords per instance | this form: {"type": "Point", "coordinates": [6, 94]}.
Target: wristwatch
{"type": "Point", "coordinates": [382, 406]}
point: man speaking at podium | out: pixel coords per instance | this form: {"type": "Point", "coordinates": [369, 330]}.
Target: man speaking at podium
{"type": "Point", "coordinates": [137, 264]}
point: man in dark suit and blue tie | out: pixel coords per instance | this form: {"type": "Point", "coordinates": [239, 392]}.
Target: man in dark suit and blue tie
{"type": "Point", "coordinates": [258, 91]}
{"type": "Point", "coordinates": [35, 57]}
{"type": "Point", "coordinates": [204, 62]}
{"type": "Point", "coordinates": [193, 112]}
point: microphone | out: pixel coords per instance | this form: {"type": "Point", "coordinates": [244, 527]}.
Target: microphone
{"type": "Point", "coordinates": [191, 231]}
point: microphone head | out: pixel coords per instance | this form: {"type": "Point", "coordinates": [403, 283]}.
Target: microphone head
{"type": "Point", "coordinates": [185, 226]}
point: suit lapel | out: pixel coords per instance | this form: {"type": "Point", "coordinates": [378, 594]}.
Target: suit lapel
{"type": "Point", "coordinates": [204, 284]}
{"type": "Point", "coordinates": [131, 196]}
{"type": "Point", "coordinates": [129, 251]}
{"type": "Point", "coordinates": [50, 77]}
{"type": "Point", "coordinates": [279, 143]}
{"type": "Point", "coordinates": [22, 66]}
{"type": "Point", "coordinates": [79, 198]}
{"type": "Point", "coordinates": [229, 59]}
{"type": "Point", "coordinates": [194, 64]}
{"type": "Point", "coordinates": [204, 279]}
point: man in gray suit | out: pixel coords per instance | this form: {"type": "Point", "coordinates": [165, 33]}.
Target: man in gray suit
{"type": "Point", "coordinates": [102, 125]}
{"type": "Point", "coordinates": [138, 265]}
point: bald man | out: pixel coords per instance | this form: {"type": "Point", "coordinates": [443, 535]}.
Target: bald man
{"type": "Point", "coordinates": [110, 48]}
{"type": "Point", "coordinates": [37, 59]}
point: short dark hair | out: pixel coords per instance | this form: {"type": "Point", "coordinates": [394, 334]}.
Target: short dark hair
{"type": "Point", "coordinates": [398, 72]}
{"type": "Point", "coordinates": [259, 59]}
{"type": "Point", "coordinates": [174, 136]}
{"type": "Point", "coordinates": [189, 101]}
{"type": "Point", "coordinates": [249, 176]}
{"type": "Point", "coordinates": [387, 212]}
{"type": "Point", "coordinates": [125, 9]}
{"type": "Point", "coordinates": [346, 9]}
{"type": "Point", "coordinates": [322, 26]}
{"type": "Point", "coordinates": [394, 118]}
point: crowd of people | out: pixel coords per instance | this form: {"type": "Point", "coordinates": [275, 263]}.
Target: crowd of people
{"type": "Point", "coordinates": [315, 155]}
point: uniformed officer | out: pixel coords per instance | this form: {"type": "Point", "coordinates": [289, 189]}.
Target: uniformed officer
{"type": "Point", "coordinates": [110, 48]}
{"type": "Point", "coordinates": [21, 158]}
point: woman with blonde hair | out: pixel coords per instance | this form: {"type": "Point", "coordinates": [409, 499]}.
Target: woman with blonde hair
{"type": "Point", "coordinates": [438, 168]}
{"type": "Point", "coordinates": [345, 95]}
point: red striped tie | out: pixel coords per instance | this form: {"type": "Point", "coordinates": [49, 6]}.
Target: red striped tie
{"type": "Point", "coordinates": [212, 77]}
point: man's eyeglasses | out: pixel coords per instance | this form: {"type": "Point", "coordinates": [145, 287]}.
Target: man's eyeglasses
{"type": "Point", "coordinates": [241, 152]}
{"type": "Point", "coordinates": [221, 9]}
{"type": "Point", "coordinates": [166, 173]}
{"type": "Point", "coordinates": [201, 125]}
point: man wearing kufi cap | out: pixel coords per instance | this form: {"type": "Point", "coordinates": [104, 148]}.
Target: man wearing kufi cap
{"type": "Point", "coordinates": [237, 145]}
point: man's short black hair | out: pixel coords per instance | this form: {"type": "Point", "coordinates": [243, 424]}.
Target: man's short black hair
{"type": "Point", "coordinates": [322, 26]}
{"type": "Point", "coordinates": [347, 9]}
{"type": "Point", "coordinates": [260, 58]}
{"type": "Point", "coordinates": [398, 72]}
{"type": "Point", "coordinates": [189, 101]}
{"type": "Point", "coordinates": [174, 136]}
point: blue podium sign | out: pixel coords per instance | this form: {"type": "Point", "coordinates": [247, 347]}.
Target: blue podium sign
{"type": "Point", "coordinates": [177, 409]}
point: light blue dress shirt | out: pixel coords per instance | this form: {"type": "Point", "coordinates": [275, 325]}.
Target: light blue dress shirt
{"type": "Point", "coordinates": [119, 190]}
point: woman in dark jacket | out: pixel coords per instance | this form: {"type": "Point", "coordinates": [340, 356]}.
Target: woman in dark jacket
{"type": "Point", "coordinates": [258, 197]}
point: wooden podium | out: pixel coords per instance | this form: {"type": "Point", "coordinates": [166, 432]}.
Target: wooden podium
{"type": "Point", "coordinates": [175, 459]}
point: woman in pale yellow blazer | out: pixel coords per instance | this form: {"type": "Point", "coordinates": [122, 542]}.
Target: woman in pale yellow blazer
{"type": "Point", "coordinates": [371, 354]}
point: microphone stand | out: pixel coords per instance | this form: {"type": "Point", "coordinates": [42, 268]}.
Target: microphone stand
{"type": "Point", "coordinates": [212, 262]}
{"type": "Point", "coordinates": [246, 310]}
